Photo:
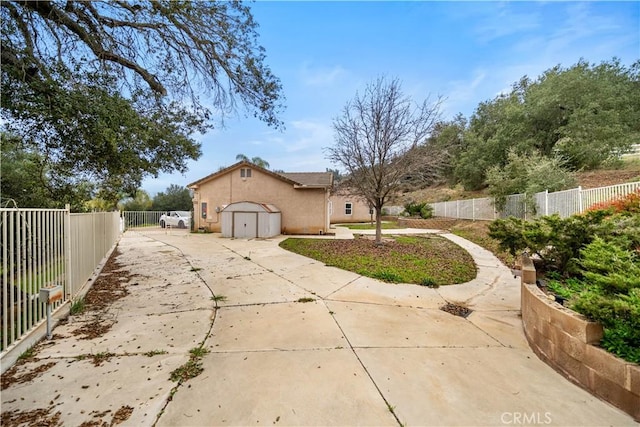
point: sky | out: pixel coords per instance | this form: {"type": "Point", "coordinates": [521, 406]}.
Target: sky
{"type": "Point", "coordinates": [466, 52]}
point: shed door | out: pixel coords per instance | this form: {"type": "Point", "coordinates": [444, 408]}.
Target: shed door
{"type": "Point", "coordinates": [245, 225]}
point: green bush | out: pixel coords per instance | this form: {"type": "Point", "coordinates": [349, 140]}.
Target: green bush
{"type": "Point", "coordinates": [423, 210]}
{"type": "Point", "coordinates": [594, 262]}
{"type": "Point", "coordinates": [426, 212]}
{"type": "Point", "coordinates": [556, 241]}
{"type": "Point", "coordinates": [529, 174]}
{"type": "Point", "coordinates": [608, 292]}
{"type": "Point", "coordinates": [610, 267]}
{"type": "Point", "coordinates": [413, 209]}
{"type": "Point", "coordinates": [619, 315]}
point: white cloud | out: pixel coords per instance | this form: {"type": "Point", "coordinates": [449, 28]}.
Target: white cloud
{"type": "Point", "coordinates": [321, 76]}
{"type": "Point", "coordinates": [461, 94]}
{"type": "Point", "coordinates": [503, 21]}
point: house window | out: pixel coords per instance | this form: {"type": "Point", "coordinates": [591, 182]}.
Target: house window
{"type": "Point", "coordinates": [245, 173]}
{"type": "Point", "coordinates": [348, 207]}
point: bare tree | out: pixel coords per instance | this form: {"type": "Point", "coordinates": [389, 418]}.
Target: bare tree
{"type": "Point", "coordinates": [376, 141]}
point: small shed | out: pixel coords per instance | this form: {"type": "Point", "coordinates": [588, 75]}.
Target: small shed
{"type": "Point", "coordinates": [248, 220]}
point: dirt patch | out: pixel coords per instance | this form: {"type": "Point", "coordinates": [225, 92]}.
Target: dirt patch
{"type": "Point", "coordinates": [92, 330]}
{"type": "Point", "coordinates": [37, 417]}
{"type": "Point", "coordinates": [109, 286]}
{"type": "Point", "coordinates": [456, 310]}
{"type": "Point", "coordinates": [604, 177]}
{"type": "Point", "coordinates": [11, 376]}
{"type": "Point", "coordinates": [121, 415]}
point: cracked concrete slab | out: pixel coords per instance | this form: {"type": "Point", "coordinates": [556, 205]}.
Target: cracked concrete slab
{"type": "Point", "coordinates": [318, 278]}
{"type": "Point", "coordinates": [82, 392]}
{"type": "Point", "coordinates": [367, 290]}
{"type": "Point", "coordinates": [481, 387]}
{"type": "Point", "coordinates": [503, 326]}
{"type": "Point", "coordinates": [265, 287]}
{"type": "Point", "coordinates": [304, 388]}
{"type": "Point", "coordinates": [291, 326]}
{"type": "Point", "coordinates": [372, 325]}
{"type": "Point", "coordinates": [178, 332]}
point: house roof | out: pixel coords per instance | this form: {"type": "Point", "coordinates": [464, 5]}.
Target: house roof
{"type": "Point", "coordinates": [297, 179]}
{"type": "Point", "coordinates": [310, 179]}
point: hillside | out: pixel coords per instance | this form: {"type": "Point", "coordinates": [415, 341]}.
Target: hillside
{"type": "Point", "coordinates": [628, 172]}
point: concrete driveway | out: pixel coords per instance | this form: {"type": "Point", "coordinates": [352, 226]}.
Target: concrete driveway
{"type": "Point", "coordinates": [294, 342]}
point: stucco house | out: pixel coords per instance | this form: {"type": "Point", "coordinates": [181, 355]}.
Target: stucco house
{"type": "Point", "coordinates": [245, 200]}
{"type": "Point", "coordinates": [346, 207]}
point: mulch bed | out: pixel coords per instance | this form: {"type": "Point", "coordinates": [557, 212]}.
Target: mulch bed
{"type": "Point", "coordinates": [456, 310]}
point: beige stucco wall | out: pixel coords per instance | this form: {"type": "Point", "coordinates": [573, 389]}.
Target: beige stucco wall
{"type": "Point", "coordinates": [359, 212]}
{"type": "Point", "coordinates": [304, 211]}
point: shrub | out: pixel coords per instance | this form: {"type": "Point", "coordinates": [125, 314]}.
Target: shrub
{"type": "Point", "coordinates": [620, 317]}
{"type": "Point", "coordinates": [413, 209]}
{"type": "Point", "coordinates": [608, 292]}
{"type": "Point", "coordinates": [529, 174]}
{"type": "Point", "coordinates": [423, 210]}
{"type": "Point", "coordinates": [426, 212]}
{"type": "Point", "coordinates": [610, 267]}
{"type": "Point", "coordinates": [556, 241]}
{"type": "Point", "coordinates": [627, 204]}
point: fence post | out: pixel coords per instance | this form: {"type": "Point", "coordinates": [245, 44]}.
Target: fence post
{"type": "Point", "coordinates": [473, 209]}
{"type": "Point", "coordinates": [67, 251]}
{"type": "Point", "coordinates": [580, 198]}
{"type": "Point", "coordinates": [546, 202]}
{"type": "Point", "coordinates": [457, 209]}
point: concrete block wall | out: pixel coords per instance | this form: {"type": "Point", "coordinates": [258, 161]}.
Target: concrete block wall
{"type": "Point", "coordinates": [564, 340]}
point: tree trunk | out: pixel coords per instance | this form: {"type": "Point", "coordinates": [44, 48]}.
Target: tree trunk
{"type": "Point", "coordinates": [378, 225]}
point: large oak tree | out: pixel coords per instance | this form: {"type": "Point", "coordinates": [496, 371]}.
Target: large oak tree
{"type": "Point", "coordinates": [114, 90]}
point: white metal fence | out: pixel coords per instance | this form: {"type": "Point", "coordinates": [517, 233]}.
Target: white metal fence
{"type": "Point", "coordinates": [564, 203]}
{"type": "Point", "coordinates": [45, 247]}
{"type": "Point", "coordinates": [135, 219]}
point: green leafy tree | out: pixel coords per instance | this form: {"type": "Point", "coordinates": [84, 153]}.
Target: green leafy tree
{"type": "Point", "coordinates": [586, 115]}
{"type": "Point", "coordinates": [527, 173]}
{"type": "Point", "coordinates": [447, 138]}
{"type": "Point", "coordinates": [141, 202]}
{"type": "Point", "coordinates": [27, 182]}
{"type": "Point", "coordinates": [175, 198]}
{"type": "Point", "coordinates": [110, 91]}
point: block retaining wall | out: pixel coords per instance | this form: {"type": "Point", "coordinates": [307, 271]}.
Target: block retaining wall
{"type": "Point", "coordinates": [564, 340]}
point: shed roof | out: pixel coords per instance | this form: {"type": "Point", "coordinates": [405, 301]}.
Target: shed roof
{"type": "Point", "coordinates": [251, 206]}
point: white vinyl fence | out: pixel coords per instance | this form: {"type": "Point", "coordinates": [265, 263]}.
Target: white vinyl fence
{"type": "Point", "coordinates": [564, 203]}
{"type": "Point", "coordinates": [42, 248]}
